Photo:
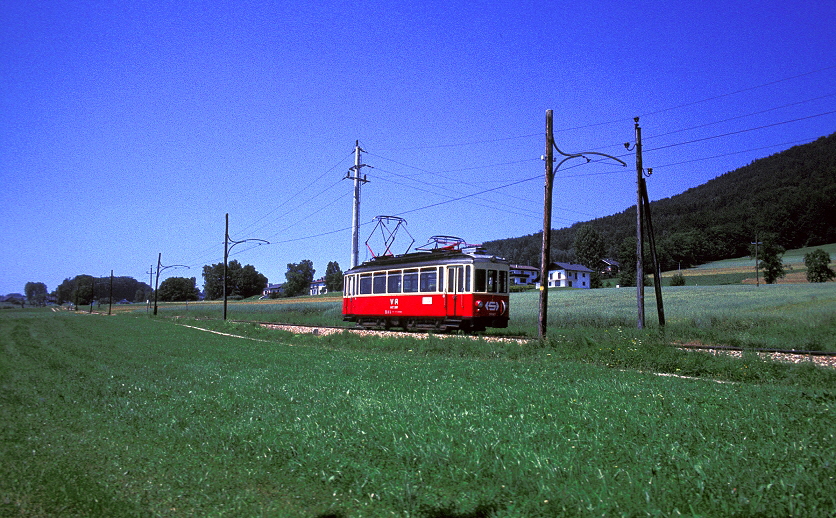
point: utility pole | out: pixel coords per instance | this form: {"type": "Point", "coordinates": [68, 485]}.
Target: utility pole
{"type": "Point", "coordinates": [161, 268]}
{"type": "Point", "coordinates": [226, 256]}
{"type": "Point", "coordinates": [157, 284]}
{"type": "Point", "coordinates": [150, 282]}
{"type": "Point", "coordinates": [354, 174]}
{"type": "Point", "coordinates": [757, 275]}
{"type": "Point", "coordinates": [545, 252]}
{"type": "Point", "coordinates": [110, 307]}
{"type": "Point", "coordinates": [639, 229]}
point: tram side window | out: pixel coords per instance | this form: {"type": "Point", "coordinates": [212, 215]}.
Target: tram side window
{"type": "Point", "coordinates": [379, 283]}
{"type": "Point", "coordinates": [429, 277]}
{"type": "Point", "coordinates": [491, 281]}
{"type": "Point", "coordinates": [365, 284]}
{"type": "Point", "coordinates": [467, 279]}
{"type": "Point", "coordinates": [503, 281]}
{"type": "Point", "coordinates": [349, 285]}
{"type": "Point", "coordinates": [410, 281]}
{"type": "Point", "coordinates": [456, 279]}
{"type": "Point", "coordinates": [394, 282]}
{"type": "Point", "coordinates": [440, 278]}
{"type": "Point", "coordinates": [480, 280]}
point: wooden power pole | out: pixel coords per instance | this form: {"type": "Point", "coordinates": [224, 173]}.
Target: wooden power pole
{"type": "Point", "coordinates": [639, 229]}
{"type": "Point", "coordinates": [545, 252]}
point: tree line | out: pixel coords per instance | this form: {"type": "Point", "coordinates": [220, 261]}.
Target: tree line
{"type": "Point", "coordinates": [243, 281]}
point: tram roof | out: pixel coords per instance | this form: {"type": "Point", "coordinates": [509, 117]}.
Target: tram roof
{"type": "Point", "coordinates": [427, 258]}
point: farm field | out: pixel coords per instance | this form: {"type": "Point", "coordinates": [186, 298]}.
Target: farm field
{"type": "Point", "coordinates": [127, 415]}
{"type": "Point", "coordinates": [742, 269]}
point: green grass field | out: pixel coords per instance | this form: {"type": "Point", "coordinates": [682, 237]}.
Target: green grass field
{"type": "Point", "coordinates": [134, 416]}
{"type": "Point", "coordinates": [742, 269]}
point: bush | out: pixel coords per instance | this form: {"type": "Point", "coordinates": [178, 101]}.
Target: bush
{"type": "Point", "coordinates": [678, 279]}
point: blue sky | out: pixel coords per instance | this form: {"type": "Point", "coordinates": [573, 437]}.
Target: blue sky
{"type": "Point", "coordinates": [129, 129]}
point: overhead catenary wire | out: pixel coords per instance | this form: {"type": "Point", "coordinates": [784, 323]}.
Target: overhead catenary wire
{"type": "Point", "coordinates": [203, 255]}
{"type": "Point", "coordinates": [760, 112]}
{"type": "Point", "coordinates": [491, 204]}
{"type": "Point", "coordinates": [295, 196]}
{"type": "Point", "coordinates": [626, 119]}
{"type": "Point", "coordinates": [742, 131]}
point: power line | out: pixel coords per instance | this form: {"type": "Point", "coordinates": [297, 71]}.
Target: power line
{"type": "Point", "coordinates": [463, 144]}
{"type": "Point", "coordinates": [743, 130]}
{"type": "Point", "coordinates": [468, 196]}
{"type": "Point", "coordinates": [742, 90]}
{"type": "Point", "coordinates": [491, 204]}
{"type": "Point", "coordinates": [292, 197]}
{"type": "Point", "coordinates": [321, 208]}
{"type": "Point", "coordinates": [742, 116]}
{"type": "Point", "coordinates": [700, 101]}
{"type": "Point", "coordinates": [617, 172]}
{"type": "Point", "coordinates": [795, 142]}
{"type": "Point", "coordinates": [621, 120]}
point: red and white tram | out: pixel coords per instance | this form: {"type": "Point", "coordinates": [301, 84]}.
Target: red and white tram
{"type": "Point", "coordinates": [438, 289]}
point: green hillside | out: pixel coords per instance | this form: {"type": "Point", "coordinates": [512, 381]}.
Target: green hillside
{"type": "Point", "coordinates": [791, 195]}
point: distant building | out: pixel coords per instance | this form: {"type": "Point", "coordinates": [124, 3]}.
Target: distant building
{"type": "Point", "coordinates": [566, 275]}
{"type": "Point", "coordinates": [272, 289]}
{"type": "Point", "coordinates": [522, 275]}
{"type": "Point", "coordinates": [609, 267]}
{"type": "Point", "coordinates": [318, 287]}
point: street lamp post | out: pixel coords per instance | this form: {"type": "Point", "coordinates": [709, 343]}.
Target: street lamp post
{"type": "Point", "coordinates": [227, 248]}
{"type": "Point", "coordinates": [160, 268]}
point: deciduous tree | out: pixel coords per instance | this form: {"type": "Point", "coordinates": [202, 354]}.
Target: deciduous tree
{"type": "Point", "coordinates": [241, 281]}
{"type": "Point", "coordinates": [770, 254]}
{"type": "Point", "coordinates": [817, 263]}
{"type": "Point", "coordinates": [35, 293]}
{"type": "Point", "coordinates": [299, 277]}
{"type": "Point", "coordinates": [627, 259]}
{"type": "Point", "coordinates": [333, 277]}
{"type": "Point", "coordinates": [178, 289]}
{"type": "Point", "coordinates": [590, 251]}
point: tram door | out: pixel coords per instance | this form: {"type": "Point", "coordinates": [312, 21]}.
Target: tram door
{"type": "Point", "coordinates": [455, 287]}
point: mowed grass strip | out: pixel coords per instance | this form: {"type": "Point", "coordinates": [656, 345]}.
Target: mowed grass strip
{"type": "Point", "coordinates": [107, 416]}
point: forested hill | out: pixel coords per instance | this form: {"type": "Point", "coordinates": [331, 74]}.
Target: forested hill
{"type": "Point", "coordinates": [791, 195]}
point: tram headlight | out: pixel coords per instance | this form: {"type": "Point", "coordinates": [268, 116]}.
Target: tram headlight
{"type": "Point", "coordinates": [480, 304]}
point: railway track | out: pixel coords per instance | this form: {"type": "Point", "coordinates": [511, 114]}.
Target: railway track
{"type": "Point", "coordinates": [823, 358]}
{"type": "Point", "coordinates": [328, 330]}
